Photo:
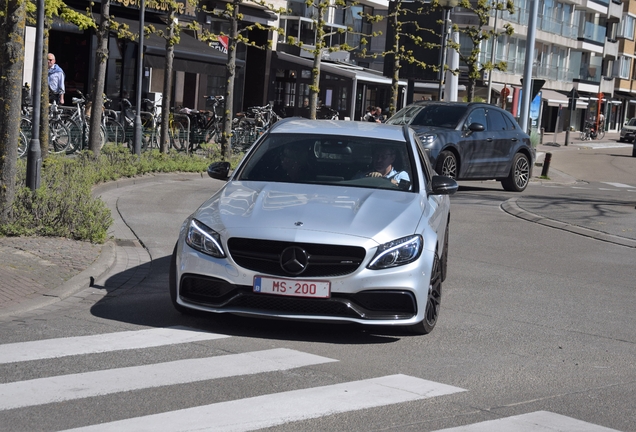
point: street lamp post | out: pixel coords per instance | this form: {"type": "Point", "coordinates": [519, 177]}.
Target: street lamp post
{"type": "Point", "coordinates": [140, 74]}
{"type": "Point", "coordinates": [447, 5]}
{"type": "Point", "coordinates": [34, 155]}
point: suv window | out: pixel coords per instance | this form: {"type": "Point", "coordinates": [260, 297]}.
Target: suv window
{"type": "Point", "coordinates": [477, 115]}
{"type": "Point", "coordinates": [497, 122]}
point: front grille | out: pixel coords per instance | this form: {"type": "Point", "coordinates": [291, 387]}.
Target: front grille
{"type": "Point", "coordinates": [371, 305]}
{"type": "Point", "coordinates": [264, 256]}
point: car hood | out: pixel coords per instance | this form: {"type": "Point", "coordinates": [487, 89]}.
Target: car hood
{"type": "Point", "coordinates": [302, 212]}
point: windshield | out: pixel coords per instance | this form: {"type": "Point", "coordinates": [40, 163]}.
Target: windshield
{"type": "Point", "coordinates": [632, 122]}
{"type": "Point", "coordinates": [333, 160]}
{"type": "Point", "coordinates": [444, 116]}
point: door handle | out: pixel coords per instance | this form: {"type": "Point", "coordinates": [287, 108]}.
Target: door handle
{"type": "Point", "coordinates": [489, 139]}
{"type": "Point", "coordinates": [514, 139]}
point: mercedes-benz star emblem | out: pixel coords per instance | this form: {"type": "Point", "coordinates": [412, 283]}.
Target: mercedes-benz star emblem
{"type": "Point", "coordinates": [294, 260]}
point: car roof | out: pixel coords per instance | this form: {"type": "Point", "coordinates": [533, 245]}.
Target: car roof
{"type": "Point", "coordinates": [339, 127]}
{"type": "Point", "coordinates": [464, 104]}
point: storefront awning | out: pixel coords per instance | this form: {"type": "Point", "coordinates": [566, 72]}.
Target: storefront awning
{"type": "Point", "coordinates": [554, 98]}
{"type": "Point", "coordinates": [346, 71]}
{"type": "Point", "coordinates": [187, 53]}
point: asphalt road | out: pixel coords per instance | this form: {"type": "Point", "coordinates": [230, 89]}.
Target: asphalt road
{"type": "Point", "coordinates": [537, 332]}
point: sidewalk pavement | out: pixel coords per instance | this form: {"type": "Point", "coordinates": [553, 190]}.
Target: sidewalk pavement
{"type": "Point", "coordinates": [42, 274]}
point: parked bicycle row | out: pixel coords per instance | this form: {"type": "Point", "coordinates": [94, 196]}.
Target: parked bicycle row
{"type": "Point", "coordinates": [188, 129]}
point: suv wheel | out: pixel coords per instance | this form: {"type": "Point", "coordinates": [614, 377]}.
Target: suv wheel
{"type": "Point", "coordinates": [447, 164]}
{"type": "Point", "coordinates": [519, 176]}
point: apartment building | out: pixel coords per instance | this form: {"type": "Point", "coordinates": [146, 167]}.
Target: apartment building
{"type": "Point", "coordinates": [581, 45]}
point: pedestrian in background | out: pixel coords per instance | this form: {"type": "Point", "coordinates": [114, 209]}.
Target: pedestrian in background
{"type": "Point", "coordinates": [56, 80]}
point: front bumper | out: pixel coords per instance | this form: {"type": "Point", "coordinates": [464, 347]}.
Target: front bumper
{"type": "Point", "coordinates": [395, 296]}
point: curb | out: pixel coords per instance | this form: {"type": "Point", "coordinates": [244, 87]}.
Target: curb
{"type": "Point", "coordinates": [100, 267]}
{"type": "Point", "coordinates": [511, 207]}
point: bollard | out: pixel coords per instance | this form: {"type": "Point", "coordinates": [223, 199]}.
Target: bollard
{"type": "Point", "coordinates": [634, 149]}
{"type": "Point", "coordinates": [546, 165]}
{"type": "Point", "coordinates": [541, 139]}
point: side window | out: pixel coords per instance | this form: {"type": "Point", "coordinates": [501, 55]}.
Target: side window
{"type": "Point", "coordinates": [497, 122]}
{"type": "Point", "coordinates": [512, 124]}
{"type": "Point", "coordinates": [477, 116]}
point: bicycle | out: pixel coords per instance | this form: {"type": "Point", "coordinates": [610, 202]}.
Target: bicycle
{"type": "Point", "coordinates": [588, 132]}
{"type": "Point", "coordinates": [205, 126]}
{"type": "Point", "coordinates": [59, 134]}
{"type": "Point", "coordinates": [77, 121]}
{"type": "Point", "coordinates": [250, 125]}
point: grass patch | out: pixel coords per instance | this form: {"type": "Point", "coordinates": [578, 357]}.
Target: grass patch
{"type": "Point", "coordinates": [63, 205]}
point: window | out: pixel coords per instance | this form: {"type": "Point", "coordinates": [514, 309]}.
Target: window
{"type": "Point", "coordinates": [497, 122]}
{"type": "Point", "coordinates": [477, 116]}
{"type": "Point", "coordinates": [623, 66]}
{"type": "Point", "coordinates": [626, 29]}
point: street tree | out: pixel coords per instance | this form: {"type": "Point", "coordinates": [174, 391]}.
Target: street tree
{"type": "Point", "coordinates": [403, 22]}
{"type": "Point", "coordinates": [320, 10]}
{"type": "Point", "coordinates": [238, 34]}
{"type": "Point", "coordinates": [476, 34]}
{"type": "Point", "coordinates": [99, 80]}
{"type": "Point", "coordinates": [12, 23]}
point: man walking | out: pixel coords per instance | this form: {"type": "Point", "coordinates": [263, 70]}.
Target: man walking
{"type": "Point", "coordinates": [56, 80]}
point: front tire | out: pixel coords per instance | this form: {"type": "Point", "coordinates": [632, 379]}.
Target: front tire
{"type": "Point", "coordinates": [447, 164]}
{"type": "Point", "coordinates": [433, 301]}
{"type": "Point", "coordinates": [519, 176]}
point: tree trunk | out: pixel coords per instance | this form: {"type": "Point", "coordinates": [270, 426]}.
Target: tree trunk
{"type": "Point", "coordinates": [315, 73]}
{"type": "Point", "coordinates": [226, 137]}
{"type": "Point", "coordinates": [395, 85]}
{"type": "Point", "coordinates": [166, 100]}
{"type": "Point", "coordinates": [99, 80]}
{"type": "Point", "coordinates": [12, 26]}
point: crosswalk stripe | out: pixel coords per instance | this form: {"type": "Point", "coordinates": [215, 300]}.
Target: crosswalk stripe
{"type": "Point", "coordinates": [279, 408]}
{"type": "Point", "coordinates": [619, 185]}
{"type": "Point", "coordinates": [532, 422]}
{"type": "Point", "coordinates": [61, 347]}
{"type": "Point", "coordinates": [67, 387]}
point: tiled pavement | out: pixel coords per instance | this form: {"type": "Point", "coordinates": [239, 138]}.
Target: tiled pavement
{"type": "Point", "coordinates": [37, 272]}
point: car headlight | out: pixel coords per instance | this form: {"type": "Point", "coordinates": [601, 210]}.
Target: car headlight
{"type": "Point", "coordinates": [204, 239]}
{"type": "Point", "coordinates": [397, 252]}
{"type": "Point", "coordinates": [428, 139]}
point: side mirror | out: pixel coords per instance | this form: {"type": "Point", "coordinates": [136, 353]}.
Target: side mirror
{"type": "Point", "coordinates": [443, 185]}
{"type": "Point", "coordinates": [476, 127]}
{"type": "Point", "coordinates": [219, 170]}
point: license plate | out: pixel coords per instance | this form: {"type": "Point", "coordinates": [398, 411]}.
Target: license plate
{"type": "Point", "coordinates": [292, 287]}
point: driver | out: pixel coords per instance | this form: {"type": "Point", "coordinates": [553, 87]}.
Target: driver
{"type": "Point", "coordinates": [383, 160]}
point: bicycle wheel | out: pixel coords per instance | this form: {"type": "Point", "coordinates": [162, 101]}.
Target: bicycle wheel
{"type": "Point", "coordinates": [59, 137]}
{"type": "Point", "coordinates": [600, 135]}
{"type": "Point", "coordinates": [583, 136]}
{"type": "Point", "coordinates": [178, 135]}
{"type": "Point", "coordinates": [77, 135]}
{"type": "Point", "coordinates": [23, 144]}
{"type": "Point", "coordinates": [114, 131]}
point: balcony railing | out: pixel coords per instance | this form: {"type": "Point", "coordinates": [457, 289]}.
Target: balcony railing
{"type": "Point", "coordinates": [593, 32]}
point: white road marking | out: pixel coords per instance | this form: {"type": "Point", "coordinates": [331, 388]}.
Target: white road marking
{"type": "Point", "coordinates": [62, 347]}
{"type": "Point", "coordinates": [539, 421]}
{"type": "Point", "coordinates": [68, 387]}
{"type": "Point", "coordinates": [618, 185]}
{"type": "Point", "coordinates": [280, 408]}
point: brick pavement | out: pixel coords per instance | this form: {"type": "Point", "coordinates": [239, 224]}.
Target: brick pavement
{"type": "Point", "coordinates": [32, 266]}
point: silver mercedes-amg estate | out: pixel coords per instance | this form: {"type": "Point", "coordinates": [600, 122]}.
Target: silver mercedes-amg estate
{"type": "Point", "coordinates": [334, 221]}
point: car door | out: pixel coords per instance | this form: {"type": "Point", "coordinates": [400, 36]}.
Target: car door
{"type": "Point", "coordinates": [475, 146]}
{"type": "Point", "coordinates": [504, 142]}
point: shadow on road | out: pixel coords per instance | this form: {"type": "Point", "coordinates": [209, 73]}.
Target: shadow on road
{"type": "Point", "coordinates": [149, 304]}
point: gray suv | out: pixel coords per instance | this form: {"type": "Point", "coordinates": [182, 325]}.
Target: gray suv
{"type": "Point", "coordinates": [472, 141]}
